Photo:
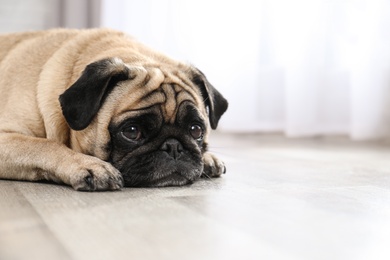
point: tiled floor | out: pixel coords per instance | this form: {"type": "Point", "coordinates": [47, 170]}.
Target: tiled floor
{"type": "Point", "coordinates": [280, 199]}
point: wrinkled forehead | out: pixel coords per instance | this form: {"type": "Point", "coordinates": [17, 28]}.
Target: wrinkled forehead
{"type": "Point", "coordinates": [155, 86]}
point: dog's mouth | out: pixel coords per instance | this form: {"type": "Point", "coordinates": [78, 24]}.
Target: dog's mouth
{"type": "Point", "coordinates": [166, 179]}
{"type": "Point", "coordinates": [172, 179]}
{"type": "Point", "coordinates": [157, 170]}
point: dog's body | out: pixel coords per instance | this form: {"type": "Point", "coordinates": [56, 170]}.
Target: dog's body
{"type": "Point", "coordinates": [97, 110]}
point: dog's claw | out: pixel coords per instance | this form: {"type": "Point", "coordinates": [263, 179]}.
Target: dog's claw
{"type": "Point", "coordinates": [89, 181]}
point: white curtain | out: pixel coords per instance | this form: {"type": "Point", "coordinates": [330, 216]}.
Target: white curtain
{"type": "Point", "coordinates": [22, 15]}
{"type": "Point", "coordinates": [305, 68]}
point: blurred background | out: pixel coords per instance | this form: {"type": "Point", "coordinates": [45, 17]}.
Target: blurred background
{"type": "Point", "coordinates": [300, 68]}
{"type": "Point", "coordinates": [291, 69]}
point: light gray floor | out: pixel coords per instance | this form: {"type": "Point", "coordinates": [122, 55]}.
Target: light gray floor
{"type": "Point", "coordinates": [280, 199]}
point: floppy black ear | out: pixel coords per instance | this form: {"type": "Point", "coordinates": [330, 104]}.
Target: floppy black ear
{"type": "Point", "coordinates": [214, 101]}
{"type": "Point", "coordinates": [81, 102]}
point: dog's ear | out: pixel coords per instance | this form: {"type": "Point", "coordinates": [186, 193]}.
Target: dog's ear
{"type": "Point", "coordinates": [81, 102]}
{"type": "Point", "coordinates": [215, 103]}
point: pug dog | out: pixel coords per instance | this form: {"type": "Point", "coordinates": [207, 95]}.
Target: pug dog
{"type": "Point", "coordinates": [97, 110]}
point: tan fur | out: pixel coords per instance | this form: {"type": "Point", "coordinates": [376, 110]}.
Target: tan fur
{"type": "Point", "coordinates": [37, 67]}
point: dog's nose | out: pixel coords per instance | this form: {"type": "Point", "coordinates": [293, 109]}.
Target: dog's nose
{"type": "Point", "coordinates": [173, 147]}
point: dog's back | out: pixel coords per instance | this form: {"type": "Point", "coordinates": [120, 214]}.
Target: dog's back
{"type": "Point", "coordinates": [12, 40]}
{"type": "Point", "coordinates": [44, 59]}
{"type": "Point", "coordinates": [22, 57]}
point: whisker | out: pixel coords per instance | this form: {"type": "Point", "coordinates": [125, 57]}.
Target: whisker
{"type": "Point", "coordinates": [205, 175]}
{"type": "Point", "coordinates": [221, 147]}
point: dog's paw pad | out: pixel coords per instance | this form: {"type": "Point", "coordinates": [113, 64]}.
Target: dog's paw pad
{"type": "Point", "coordinates": [213, 167]}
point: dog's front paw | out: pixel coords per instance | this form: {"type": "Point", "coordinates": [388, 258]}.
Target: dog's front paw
{"type": "Point", "coordinates": [213, 167]}
{"type": "Point", "coordinates": [93, 174]}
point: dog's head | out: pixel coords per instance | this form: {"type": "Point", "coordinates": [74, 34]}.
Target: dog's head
{"type": "Point", "coordinates": [150, 122]}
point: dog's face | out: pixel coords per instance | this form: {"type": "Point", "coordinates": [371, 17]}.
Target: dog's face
{"type": "Point", "coordinates": [150, 122]}
{"type": "Point", "coordinates": [148, 151]}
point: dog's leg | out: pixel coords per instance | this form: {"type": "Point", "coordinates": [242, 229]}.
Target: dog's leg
{"type": "Point", "coordinates": [213, 167]}
{"type": "Point", "coordinates": [31, 158]}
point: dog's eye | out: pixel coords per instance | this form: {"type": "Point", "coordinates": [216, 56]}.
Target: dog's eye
{"type": "Point", "coordinates": [132, 133]}
{"type": "Point", "coordinates": [196, 132]}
